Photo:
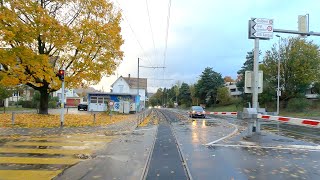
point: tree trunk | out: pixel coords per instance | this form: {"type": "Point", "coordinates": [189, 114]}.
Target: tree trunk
{"type": "Point", "coordinates": [44, 100]}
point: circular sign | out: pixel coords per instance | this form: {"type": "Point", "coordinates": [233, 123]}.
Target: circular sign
{"type": "Point", "coordinates": [111, 103]}
{"type": "Point", "coordinates": [269, 28]}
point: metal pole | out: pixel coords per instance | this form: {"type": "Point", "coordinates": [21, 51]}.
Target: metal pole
{"type": "Point", "coordinates": [62, 105]}
{"type": "Point", "coordinates": [278, 89]}
{"type": "Point", "coordinates": [12, 118]}
{"type": "Point", "coordinates": [138, 105]}
{"type": "Point", "coordinates": [255, 81]}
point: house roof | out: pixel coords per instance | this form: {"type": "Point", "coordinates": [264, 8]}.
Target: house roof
{"type": "Point", "coordinates": [133, 82]}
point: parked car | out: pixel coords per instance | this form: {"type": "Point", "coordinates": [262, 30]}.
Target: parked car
{"type": "Point", "coordinates": [197, 111]}
{"type": "Point", "coordinates": [83, 106]}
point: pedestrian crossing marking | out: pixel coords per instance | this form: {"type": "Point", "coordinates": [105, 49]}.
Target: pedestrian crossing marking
{"type": "Point", "coordinates": [65, 146]}
{"type": "Point", "coordinates": [28, 174]}
{"type": "Point", "coordinates": [33, 160]}
{"type": "Point", "coordinates": [44, 151]}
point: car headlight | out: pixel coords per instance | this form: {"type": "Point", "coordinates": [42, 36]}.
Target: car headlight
{"type": "Point", "coordinates": [193, 112]}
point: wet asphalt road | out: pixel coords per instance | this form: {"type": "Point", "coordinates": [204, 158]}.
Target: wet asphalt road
{"type": "Point", "coordinates": [165, 163]}
{"type": "Point", "coordinates": [233, 159]}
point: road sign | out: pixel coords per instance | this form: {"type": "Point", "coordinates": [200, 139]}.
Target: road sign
{"type": "Point", "coordinates": [111, 103]}
{"type": "Point", "coordinates": [260, 28]}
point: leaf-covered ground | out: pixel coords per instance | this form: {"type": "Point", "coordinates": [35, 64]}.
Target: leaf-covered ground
{"type": "Point", "coordinates": [53, 120]}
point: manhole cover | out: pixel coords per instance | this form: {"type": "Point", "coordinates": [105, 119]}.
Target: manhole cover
{"type": "Point", "coordinates": [282, 140]}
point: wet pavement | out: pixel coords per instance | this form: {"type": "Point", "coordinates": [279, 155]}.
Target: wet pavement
{"type": "Point", "coordinates": [265, 156]}
{"type": "Point", "coordinates": [124, 158]}
{"type": "Point", "coordinates": [38, 157]}
{"type": "Point", "coordinates": [179, 149]}
{"type": "Point", "coordinates": [43, 153]}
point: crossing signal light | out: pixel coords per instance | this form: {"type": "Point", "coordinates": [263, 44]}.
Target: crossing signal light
{"type": "Point", "coordinates": [61, 74]}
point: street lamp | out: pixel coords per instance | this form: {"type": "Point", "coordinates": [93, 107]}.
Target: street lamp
{"type": "Point", "coordinates": [278, 89]}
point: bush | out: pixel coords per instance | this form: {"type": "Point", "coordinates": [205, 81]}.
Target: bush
{"type": "Point", "coordinates": [12, 103]}
{"type": "Point", "coordinates": [52, 104]}
{"type": "Point", "coordinates": [298, 104]}
{"type": "Point", "coordinates": [28, 104]}
{"type": "Point", "coordinates": [170, 104]}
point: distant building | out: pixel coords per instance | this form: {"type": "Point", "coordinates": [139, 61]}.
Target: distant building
{"type": "Point", "coordinates": [233, 89]}
{"type": "Point", "coordinates": [310, 93]}
{"type": "Point", "coordinates": [23, 92]}
{"type": "Point", "coordinates": [129, 85]}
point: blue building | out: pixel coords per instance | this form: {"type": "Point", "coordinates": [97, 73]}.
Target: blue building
{"type": "Point", "coordinates": [100, 101]}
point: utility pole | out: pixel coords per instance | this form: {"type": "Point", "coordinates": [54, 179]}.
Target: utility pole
{"type": "Point", "coordinates": [255, 82]}
{"type": "Point", "coordinates": [278, 89]}
{"type": "Point", "coordinates": [138, 96]}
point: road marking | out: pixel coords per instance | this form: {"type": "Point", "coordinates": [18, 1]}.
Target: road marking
{"type": "Point", "coordinates": [60, 138]}
{"type": "Point", "coordinates": [44, 151]}
{"type": "Point", "coordinates": [28, 174]}
{"type": "Point", "coordinates": [61, 145]}
{"type": "Point", "coordinates": [29, 160]}
{"type": "Point", "coordinates": [287, 147]}
{"type": "Point", "coordinates": [43, 144]}
{"type": "Point", "coordinates": [225, 137]}
{"type": "Point", "coordinates": [145, 129]}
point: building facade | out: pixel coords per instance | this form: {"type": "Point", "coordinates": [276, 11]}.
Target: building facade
{"type": "Point", "coordinates": [129, 85]}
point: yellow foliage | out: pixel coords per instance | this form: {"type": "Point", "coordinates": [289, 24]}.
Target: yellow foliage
{"type": "Point", "coordinates": [145, 122]}
{"type": "Point", "coordinates": [82, 36]}
{"type": "Point", "coordinates": [70, 120]}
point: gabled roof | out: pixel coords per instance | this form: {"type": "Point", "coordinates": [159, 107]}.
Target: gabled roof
{"type": "Point", "coordinates": [133, 82]}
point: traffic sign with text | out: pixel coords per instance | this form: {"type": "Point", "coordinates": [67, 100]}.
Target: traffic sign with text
{"type": "Point", "coordinates": [260, 28]}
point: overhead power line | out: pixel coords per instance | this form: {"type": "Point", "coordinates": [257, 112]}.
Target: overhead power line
{"type": "Point", "coordinates": [154, 46]}
{"type": "Point", "coordinates": [166, 38]}
{"type": "Point", "coordinates": [135, 35]}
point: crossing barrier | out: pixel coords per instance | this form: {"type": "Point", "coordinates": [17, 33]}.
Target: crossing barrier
{"type": "Point", "coordinates": [291, 120]}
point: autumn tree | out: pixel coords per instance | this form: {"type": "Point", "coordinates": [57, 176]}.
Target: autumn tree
{"type": "Point", "coordinates": [43, 36]}
{"type": "Point", "coordinates": [228, 79]}
{"type": "Point", "coordinates": [300, 62]}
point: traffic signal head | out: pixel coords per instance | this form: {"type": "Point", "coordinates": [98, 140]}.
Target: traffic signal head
{"type": "Point", "coordinates": [61, 74]}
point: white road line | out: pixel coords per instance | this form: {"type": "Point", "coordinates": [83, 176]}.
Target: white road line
{"type": "Point", "coordinates": [144, 129]}
{"type": "Point", "coordinates": [287, 147]}
{"type": "Point", "coordinates": [225, 137]}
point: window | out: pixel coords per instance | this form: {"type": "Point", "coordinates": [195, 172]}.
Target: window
{"type": "Point", "coordinates": [93, 99]}
{"type": "Point", "coordinates": [233, 90]}
{"type": "Point", "coordinates": [16, 93]}
{"type": "Point", "coordinates": [100, 100]}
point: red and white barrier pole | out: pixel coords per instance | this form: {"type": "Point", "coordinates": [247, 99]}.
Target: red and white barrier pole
{"type": "Point", "coordinates": [291, 120]}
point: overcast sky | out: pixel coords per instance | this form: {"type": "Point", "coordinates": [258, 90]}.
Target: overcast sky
{"type": "Point", "coordinates": [202, 33]}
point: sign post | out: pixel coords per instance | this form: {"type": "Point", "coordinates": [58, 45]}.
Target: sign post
{"type": "Point", "coordinates": [61, 77]}
{"type": "Point", "coordinates": [259, 28]}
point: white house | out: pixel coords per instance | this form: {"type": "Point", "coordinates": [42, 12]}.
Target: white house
{"type": "Point", "coordinates": [233, 90]}
{"type": "Point", "coordinates": [129, 85]}
{"type": "Point", "coordinates": [24, 93]}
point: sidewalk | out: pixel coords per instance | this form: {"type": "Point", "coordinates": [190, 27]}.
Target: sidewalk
{"type": "Point", "coordinates": [124, 158]}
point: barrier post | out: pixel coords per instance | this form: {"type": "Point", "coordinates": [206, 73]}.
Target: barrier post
{"type": "Point", "coordinates": [12, 118]}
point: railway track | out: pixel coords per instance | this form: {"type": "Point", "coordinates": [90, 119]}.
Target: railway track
{"type": "Point", "coordinates": [166, 160]}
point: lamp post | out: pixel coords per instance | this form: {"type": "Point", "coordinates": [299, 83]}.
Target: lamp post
{"type": "Point", "coordinates": [278, 89]}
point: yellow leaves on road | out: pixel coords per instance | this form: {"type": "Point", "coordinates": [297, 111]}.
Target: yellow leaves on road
{"type": "Point", "coordinates": [145, 122]}
{"type": "Point", "coordinates": [70, 120]}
